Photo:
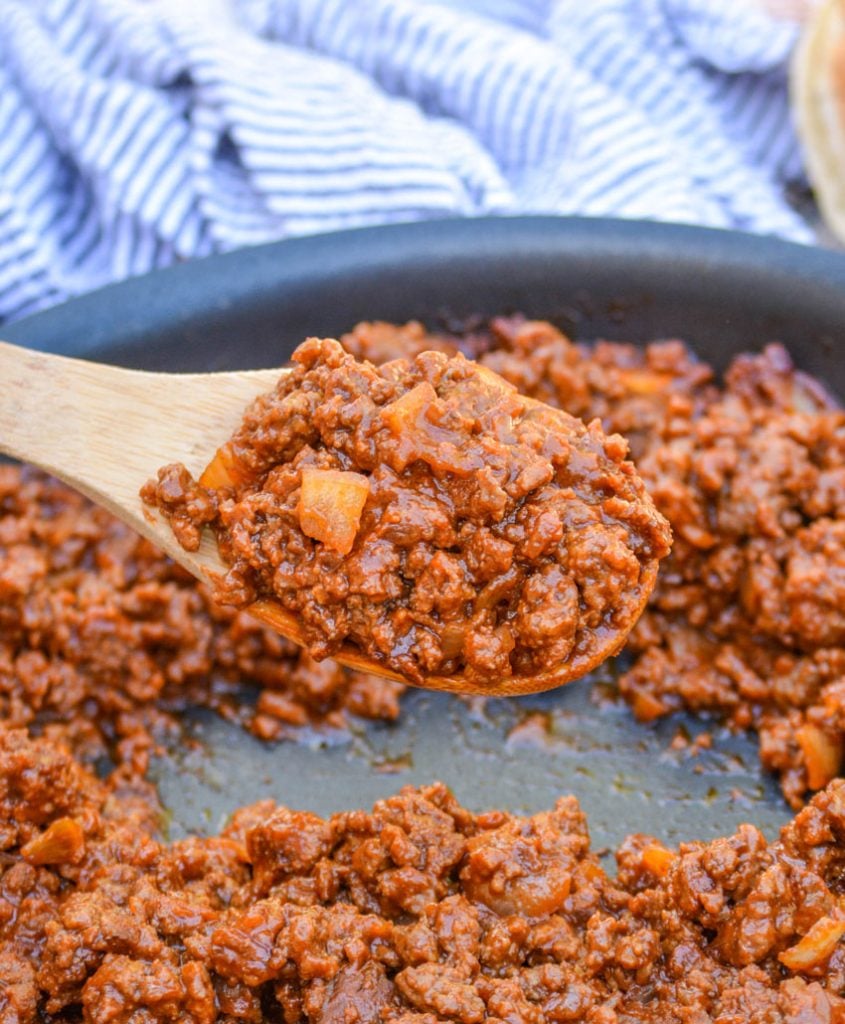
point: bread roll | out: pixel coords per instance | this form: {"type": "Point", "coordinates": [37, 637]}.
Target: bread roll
{"type": "Point", "coordinates": [818, 98]}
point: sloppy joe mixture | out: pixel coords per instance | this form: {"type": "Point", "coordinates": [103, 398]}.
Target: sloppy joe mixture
{"type": "Point", "coordinates": [102, 638]}
{"type": "Point", "coordinates": [417, 912]}
{"type": "Point", "coordinates": [747, 620]}
{"type": "Point", "coordinates": [421, 911]}
{"type": "Point", "coordinates": [430, 515]}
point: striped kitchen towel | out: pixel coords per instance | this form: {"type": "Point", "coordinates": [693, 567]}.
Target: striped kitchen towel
{"type": "Point", "coordinates": [134, 133]}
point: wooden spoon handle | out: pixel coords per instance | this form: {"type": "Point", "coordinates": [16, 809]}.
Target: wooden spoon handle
{"type": "Point", "coordinates": [105, 430]}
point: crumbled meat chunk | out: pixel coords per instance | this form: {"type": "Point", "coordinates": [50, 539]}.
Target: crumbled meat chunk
{"type": "Point", "coordinates": [188, 507]}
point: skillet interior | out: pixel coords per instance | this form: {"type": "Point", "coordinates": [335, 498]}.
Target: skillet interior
{"type": "Point", "coordinates": [722, 292]}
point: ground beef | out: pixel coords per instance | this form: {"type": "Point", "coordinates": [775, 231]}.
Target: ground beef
{"type": "Point", "coordinates": [416, 912]}
{"type": "Point", "coordinates": [420, 911]}
{"type": "Point", "coordinates": [101, 636]}
{"type": "Point", "coordinates": [98, 632]}
{"type": "Point", "coordinates": [635, 390]}
{"type": "Point", "coordinates": [746, 620]}
{"type": "Point", "coordinates": [428, 515]}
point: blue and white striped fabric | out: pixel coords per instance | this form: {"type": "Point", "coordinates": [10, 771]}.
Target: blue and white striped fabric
{"type": "Point", "coordinates": [134, 134]}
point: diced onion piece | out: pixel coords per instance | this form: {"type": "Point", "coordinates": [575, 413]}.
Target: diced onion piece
{"type": "Point", "coordinates": [330, 505]}
{"type": "Point", "coordinates": [822, 755]}
{"type": "Point", "coordinates": [493, 592]}
{"type": "Point", "coordinates": [816, 946]}
{"type": "Point", "coordinates": [591, 871]}
{"type": "Point", "coordinates": [805, 398]}
{"type": "Point", "coordinates": [223, 470]}
{"type": "Point", "coordinates": [493, 381]}
{"type": "Point", "coordinates": [657, 859]}
{"type": "Point", "coordinates": [647, 707]}
{"type": "Point", "coordinates": [452, 639]}
{"type": "Point", "coordinates": [645, 382]}
{"type": "Point", "coordinates": [402, 416]}
{"type": "Point", "coordinates": [62, 843]}
{"type": "Point", "coordinates": [416, 419]}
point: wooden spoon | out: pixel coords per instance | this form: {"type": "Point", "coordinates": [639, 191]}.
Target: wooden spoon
{"type": "Point", "coordinates": [105, 431]}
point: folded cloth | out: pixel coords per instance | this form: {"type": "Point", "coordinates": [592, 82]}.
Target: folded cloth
{"type": "Point", "coordinates": [135, 134]}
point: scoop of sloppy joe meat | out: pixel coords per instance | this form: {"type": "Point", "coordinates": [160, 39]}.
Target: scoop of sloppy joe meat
{"type": "Point", "coordinates": [427, 514]}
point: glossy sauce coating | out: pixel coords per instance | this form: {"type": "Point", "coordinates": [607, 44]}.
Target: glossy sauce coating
{"type": "Point", "coordinates": [69, 573]}
{"type": "Point", "coordinates": [422, 911]}
{"type": "Point", "coordinates": [746, 620]}
{"type": "Point", "coordinates": [427, 513]}
{"type": "Point", "coordinates": [417, 912]}
{"type": "Point", "coordinates": [103, 639]}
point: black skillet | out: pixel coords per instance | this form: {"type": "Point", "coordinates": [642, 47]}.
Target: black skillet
{"type": "Point", "coordinates": [722, 292]}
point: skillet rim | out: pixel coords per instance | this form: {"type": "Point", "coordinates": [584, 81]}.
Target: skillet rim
{"type": "Point", "coordinates": [184, 297]}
